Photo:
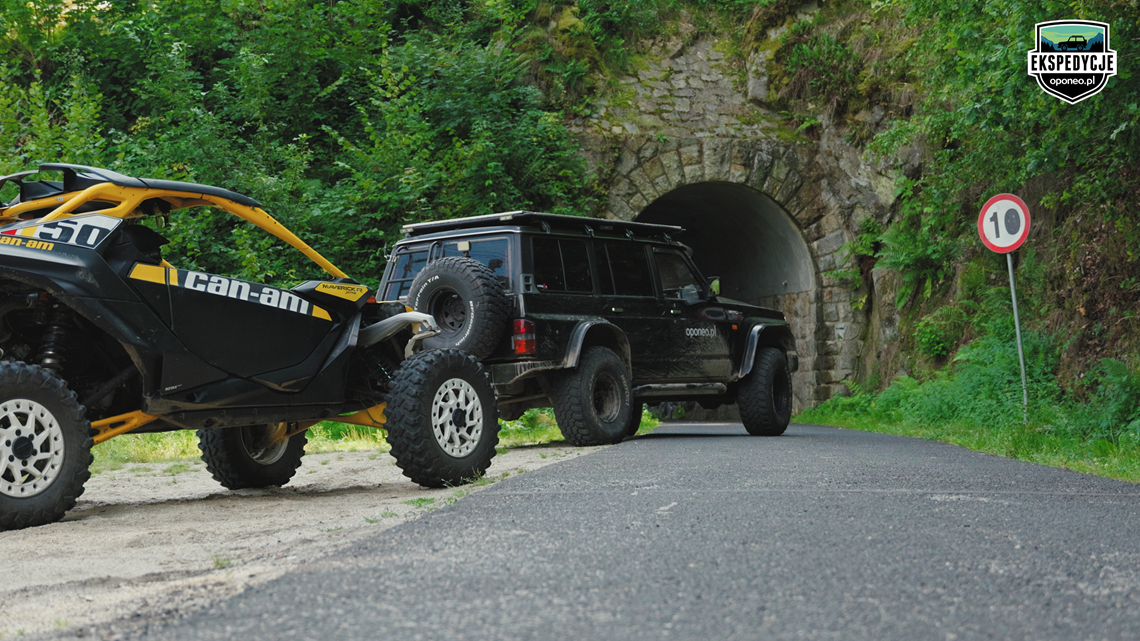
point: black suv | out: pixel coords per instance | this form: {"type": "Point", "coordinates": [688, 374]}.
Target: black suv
{"type": "Point", "coordinates": [593, 317]}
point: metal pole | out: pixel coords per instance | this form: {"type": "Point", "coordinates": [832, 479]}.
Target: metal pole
{"type": "Point", "coordinates": [1020, 353]}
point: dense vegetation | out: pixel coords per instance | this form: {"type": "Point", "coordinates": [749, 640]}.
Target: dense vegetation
{"type": "Point", "coordinates": [349, 118]}
{"type": "Point", "coordinates": [951, 77]}
{"type": "Point", "coordinates": [346, 119]}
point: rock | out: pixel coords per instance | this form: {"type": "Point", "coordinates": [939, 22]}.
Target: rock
{"type": "Point", "coordinates": [758, 77]}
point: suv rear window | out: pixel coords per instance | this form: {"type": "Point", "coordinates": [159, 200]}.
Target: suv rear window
{"type": "Point", "coordinates": [409, 262]}
{"type": "Point", "coordinates": [492, 252]}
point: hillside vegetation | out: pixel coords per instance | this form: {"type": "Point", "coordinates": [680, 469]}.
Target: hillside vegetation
{"type": "Point", "coordinates": [351, 118]}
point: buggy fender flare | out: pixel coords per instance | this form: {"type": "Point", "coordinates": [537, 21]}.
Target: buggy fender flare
{"type": "Point", "coordinates": [770, 333]}
{"type": "Point", "coordinates": [597, 331]}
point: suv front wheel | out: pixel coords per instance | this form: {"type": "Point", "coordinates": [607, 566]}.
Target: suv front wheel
{"type": "Point", "coordinates": [765, 396]}
{"type": "Point", "coordinates": [593, 401]}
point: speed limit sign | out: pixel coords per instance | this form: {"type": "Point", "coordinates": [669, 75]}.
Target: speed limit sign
{"type": "Point", "coordinates": [1003, 223]}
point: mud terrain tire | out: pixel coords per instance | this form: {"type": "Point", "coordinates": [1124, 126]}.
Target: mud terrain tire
{"type": "Point", "coordinates": [635, 412]}
{"type": "Point", "coordinates": [232, 459]}
{"type": "Point", "coordinates": [442, 422]}
{"type": "Point", "coordinates": [593, 401]}
{"type": "Point", "coordinates": [42, 429]}
{"type": "Point", "coordinates": [765, 395]}
{"type": "Point", "coordinates": [467, 300]}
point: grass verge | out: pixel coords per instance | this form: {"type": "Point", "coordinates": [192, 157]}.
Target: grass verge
{"type": "Point", "coordinates": [535, 427]}
{"type": "Point", "coordinates": [1118, 459]}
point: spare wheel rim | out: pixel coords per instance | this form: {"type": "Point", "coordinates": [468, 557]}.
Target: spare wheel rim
{"type": "Point", "coordinates": [457, 417]}
{"type": "Point", "coordinates": [31, 448]}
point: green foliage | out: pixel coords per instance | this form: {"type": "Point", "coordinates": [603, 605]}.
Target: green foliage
{"type": "Point", "coordinates": [346, 120]}
{"type": "Point", "coordinates": [857, 257]}
{"type": "Point", "coordinates": [990, 128]}
{"type": "Point", "coordinates": [819, 66]}
{"type": "Point", "coordinates": [939, 333]}
{"type": "Point", "coordinates": [1115, 408]}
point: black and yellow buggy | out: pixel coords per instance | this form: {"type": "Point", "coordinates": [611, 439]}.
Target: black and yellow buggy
{"type": "Point", "coordinates": [101, 337]}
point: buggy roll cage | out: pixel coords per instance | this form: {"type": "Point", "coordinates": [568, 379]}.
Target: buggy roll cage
{"type": "Point", "coordinates": [93, 190]}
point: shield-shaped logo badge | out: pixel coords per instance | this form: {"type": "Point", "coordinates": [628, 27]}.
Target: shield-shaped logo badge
{"type": "Point", "coordinates": [1072, 60]}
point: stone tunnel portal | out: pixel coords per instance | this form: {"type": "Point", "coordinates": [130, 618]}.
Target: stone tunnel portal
{"type": "Point", "coordinates": [740, 235]}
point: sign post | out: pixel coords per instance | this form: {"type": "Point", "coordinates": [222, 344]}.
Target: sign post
{"type": "Point", "coordinates": [1003, 225]}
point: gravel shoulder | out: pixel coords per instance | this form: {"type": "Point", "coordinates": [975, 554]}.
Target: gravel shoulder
{"type": "Point", "coordinates": [153, 539]}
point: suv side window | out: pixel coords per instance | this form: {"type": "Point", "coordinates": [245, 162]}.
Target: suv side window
{"type": "Point", "coordinates": [677, 279]}
{"type": "Point", "coordinates": [624, 270]}
{"type": "Point", "coordinates": [409, 262]}
{"type": "Point", "coordinates": [561, 265]}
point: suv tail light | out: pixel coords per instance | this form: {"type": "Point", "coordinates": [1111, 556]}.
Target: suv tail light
{"type": "Point", "coordinates": [523, 338]}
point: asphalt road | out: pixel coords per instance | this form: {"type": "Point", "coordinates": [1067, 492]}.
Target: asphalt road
{"type": "Point", "coordinates": [701, 532]}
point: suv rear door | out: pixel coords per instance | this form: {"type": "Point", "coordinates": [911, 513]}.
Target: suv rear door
{"type": "Point", "coordinates": [629, 300]}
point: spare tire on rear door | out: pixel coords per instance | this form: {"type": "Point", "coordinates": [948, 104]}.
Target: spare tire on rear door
{"type": "Point", "coordinates": [466, 300]}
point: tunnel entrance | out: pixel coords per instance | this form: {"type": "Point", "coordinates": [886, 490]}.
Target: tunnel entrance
{"type": "Point", "coordinates": [747, 239]}
{"type": "Point", "coordinates": [741, 235]}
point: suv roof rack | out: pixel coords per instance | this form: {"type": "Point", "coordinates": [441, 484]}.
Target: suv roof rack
{"type": "Point", "coordinates": [557, 221]}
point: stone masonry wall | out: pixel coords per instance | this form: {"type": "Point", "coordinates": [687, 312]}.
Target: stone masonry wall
{"type": "Point", "coordinates": [684, 119]}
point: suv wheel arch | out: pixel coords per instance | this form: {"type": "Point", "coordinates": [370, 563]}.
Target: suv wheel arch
{"type": "Point", "coordinates": [776, 334]}
{"type": "Point", "coordinates": [597, 332]}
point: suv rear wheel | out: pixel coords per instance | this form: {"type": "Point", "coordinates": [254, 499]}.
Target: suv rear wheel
{"type": "Point", "coordinates": [442, 423]}
{"type": "Point", "coordinates": [592, 402]}
{"type": "Point", "coordinates": [765, 396]}
{"type": "Point", "coordinates": [466, 300]}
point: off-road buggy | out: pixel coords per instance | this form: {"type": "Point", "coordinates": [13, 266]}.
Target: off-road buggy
{"type": "Point", "coordinates": [101, 337]}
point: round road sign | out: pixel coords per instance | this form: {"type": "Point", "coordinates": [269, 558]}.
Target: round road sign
{"type": "Point", "coordinates": [1003, 223]}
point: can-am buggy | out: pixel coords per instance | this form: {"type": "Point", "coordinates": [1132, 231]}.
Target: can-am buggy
{"type": "Point", "coordinates": [101, 336]}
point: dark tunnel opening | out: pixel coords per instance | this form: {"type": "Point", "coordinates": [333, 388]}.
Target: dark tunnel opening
{"type": "Point", "coordinates": [740, 235]}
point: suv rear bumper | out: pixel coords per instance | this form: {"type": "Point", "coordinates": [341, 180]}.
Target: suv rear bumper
{"type": "Point", "coordinates": [507, 373]}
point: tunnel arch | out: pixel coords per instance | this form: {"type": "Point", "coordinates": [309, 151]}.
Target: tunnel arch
{"type": "Point", "coordinates": [741, 235]}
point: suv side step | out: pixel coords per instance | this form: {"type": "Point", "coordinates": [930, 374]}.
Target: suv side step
{"type": "Point", "coordinates": [679, 389]}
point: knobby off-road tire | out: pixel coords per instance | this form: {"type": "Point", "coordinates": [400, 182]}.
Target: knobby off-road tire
{"type": "Point", "coordinates": [442, 422]}
{"type": "Point", "coordinates": [634, 424]}
{"type": "Point", "coordinates": [466, 300]}
{"type": "Point", "coordinates": [765, 395]}
{"type": "Point", "coordinates": [45, 446]}
{"type": "Point", "coordinates": [593, 401]}
{"type": "Point", "coordinates": [234, 460]}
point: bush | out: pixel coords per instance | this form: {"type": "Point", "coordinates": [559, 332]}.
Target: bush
{"type": "Point", "coordinates": [939, 333]}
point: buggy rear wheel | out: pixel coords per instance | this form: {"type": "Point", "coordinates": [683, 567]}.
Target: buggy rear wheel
{"type": "Point", "coordinates": [45, 446]}
{"type": "Point", "coordinates": [441, 418]}
{"type": "Point", "coordinates": [237, 457]}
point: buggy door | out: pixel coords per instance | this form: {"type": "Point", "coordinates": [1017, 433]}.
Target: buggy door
{"type": "Point", "coordinates": [244, 328]}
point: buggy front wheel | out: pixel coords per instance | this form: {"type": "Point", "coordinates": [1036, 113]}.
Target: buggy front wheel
{"type": "Point", "coordinates": [45, 446]}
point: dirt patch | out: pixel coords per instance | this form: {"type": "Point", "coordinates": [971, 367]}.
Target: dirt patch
{"type": "Point", "coordinates": [161, 538]}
